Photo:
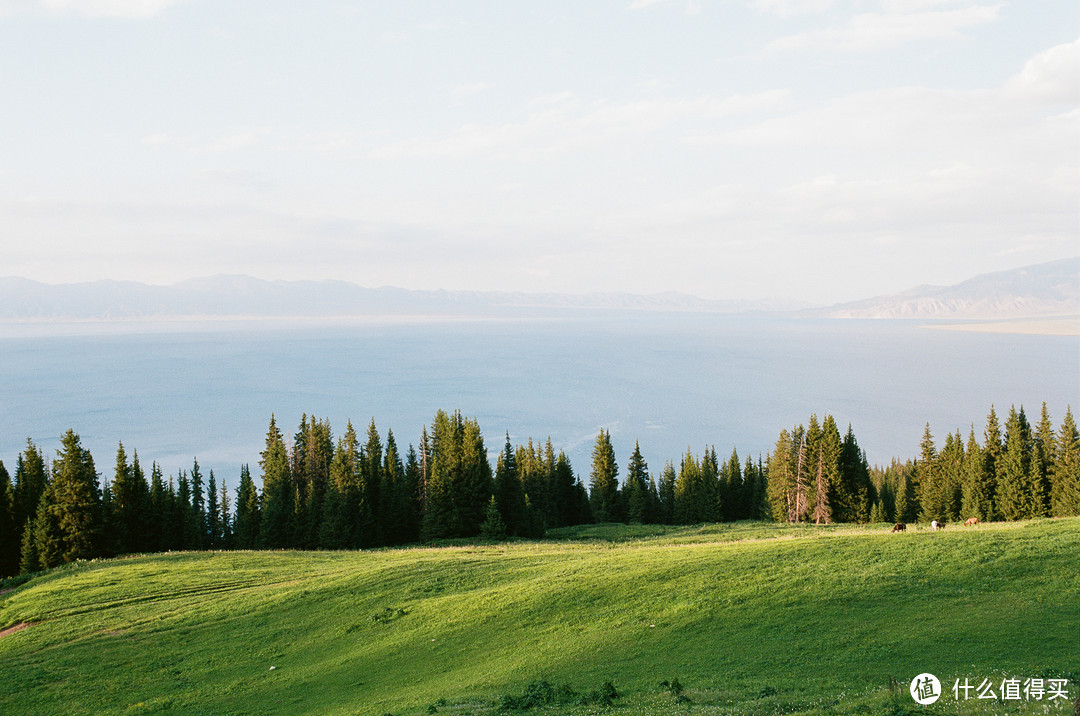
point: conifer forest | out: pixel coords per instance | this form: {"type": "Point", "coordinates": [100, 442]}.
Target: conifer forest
{"type": "Point", "coordinates": [325, 491]}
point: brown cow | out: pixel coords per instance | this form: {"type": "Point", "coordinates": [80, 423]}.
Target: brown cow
{"type": "Point", "coordinates": [899, 527]}
{"type": "Point", "coordinates": [971, 521]}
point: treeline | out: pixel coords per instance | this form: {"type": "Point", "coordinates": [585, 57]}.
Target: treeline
{"type": "Point", "coordinates": [322, 492]}
{"type": "Point", "coordinates": [1022, 472]}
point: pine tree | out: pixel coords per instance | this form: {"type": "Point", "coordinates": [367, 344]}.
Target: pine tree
{"type": "Point", "coordinates": [603, 480]}
{"type": "Point", "coordinates": [371, 470]}
{"type": "Point", "coordinates": [1065, 472]}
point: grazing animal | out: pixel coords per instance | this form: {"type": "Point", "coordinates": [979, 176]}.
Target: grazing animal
{"type": "Point", "coordinates": [899, 527]}
{"type": "Point", "coordinates": [971, 521]}
{"type": "Point", "coordinates": [937, 525]}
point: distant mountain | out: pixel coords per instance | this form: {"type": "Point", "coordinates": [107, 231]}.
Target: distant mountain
{"type": "Point", "coordinates": [1051, 289]}
{"type": "Point", "coordinates": [1040, 291]}
{"type": "Point", "coordinates": [247, 297]}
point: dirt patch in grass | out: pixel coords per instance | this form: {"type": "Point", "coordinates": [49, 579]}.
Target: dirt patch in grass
{"type": "Point", "coordinates": [12, 629]}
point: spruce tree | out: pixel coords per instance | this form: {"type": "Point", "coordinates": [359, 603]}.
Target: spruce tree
{"type": "Point", "coordinates": [130, 504]}
{"type": "Point", "coordinates": [929, 490]}
{"type": "Point", "coordinates": [666, 492]}
{"type": "Point", "coordinates": [10, 543]}
{"type": "Point", "coordinates": [636, 487]}
{"type": "Point", "coordinates": [441, 518]}
{"type": "Point", "coordinates": [565, 493]}
{"type": "Point", "coordinates": [278, 496]}
{"type": "Point", "coordinates": [475, 485]}
{"type": "Point", "coordinates": [1043, 455]}
{"type": "Point", "coordinates": [951, 475]}
{"type": "Point", "coordinates": [247, 521]}
{"type": "Point", "coordinates": [1065, 471]}
{"type": "Point", "coordinates": [781, 479]}
{"type": "Point", "coordinates": [213, 514]}
{"type": "Point", "coordinates": [856, 490]}
{"type": "Point", "coordinates": [992, 449]}
{"type": "Point", "coordinates": [197, 530]}
{"type": "Point", "coordinates": [1018, 497]}
{"type": "Point", "coordinates": [493, 527]}
{"type": "Point", "coordinates": [509, 493]}
{"type": "Point", "coordinates": [31, 477]}
{"type": "Point", "coordinates": [224, 519]}
{"type": "Point", "coordinates": [603, 480]}
{"type": "Point", "coordinates": [68, 524]}
{"type": "Point", "coordinates": [157, 538]}
{"type": "Point", "coordinates": [975, 491]}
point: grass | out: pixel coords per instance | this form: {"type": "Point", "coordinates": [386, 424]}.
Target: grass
{"type": "Point", "coordinates": [748, 618]}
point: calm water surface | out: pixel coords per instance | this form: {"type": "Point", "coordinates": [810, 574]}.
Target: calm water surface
{"type": "Point", "coordinates": [671, 382]}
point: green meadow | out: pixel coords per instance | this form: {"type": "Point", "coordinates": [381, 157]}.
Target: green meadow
{"type": "Point", "coordinates": [740, 618]}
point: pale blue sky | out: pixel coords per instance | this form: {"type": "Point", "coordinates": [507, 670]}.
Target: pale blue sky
{"type": "Point", "coordinates": [818, 149]}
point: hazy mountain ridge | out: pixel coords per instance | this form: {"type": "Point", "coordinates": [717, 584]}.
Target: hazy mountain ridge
{"type": "Point", "coordinates": [244, 296]}
{"type": "Point", "coordinates": [1043, 290]}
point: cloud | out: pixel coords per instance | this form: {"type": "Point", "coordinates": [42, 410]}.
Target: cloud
{"type": "Point", "coordinates": [229, 142]}
{"type": "Point", "coordinates": [875, 31]}
{"type": "Point", "coordinates": [131, 9]}
{"type": "Point", "coordinates": [561, 123]}
{"type": "Point", "coordinates": [1051, 76]}
{"type": "Point", "coordinates": [693, 7]}
{"type": "Point", "coordinates": [790, 8]}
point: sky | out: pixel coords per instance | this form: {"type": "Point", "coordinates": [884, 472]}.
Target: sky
{"type": "Point", "coordinates": [820, 150]}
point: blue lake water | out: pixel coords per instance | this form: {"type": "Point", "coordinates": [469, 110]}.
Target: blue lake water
{"type": "Point", "coordinates": [671, 382]}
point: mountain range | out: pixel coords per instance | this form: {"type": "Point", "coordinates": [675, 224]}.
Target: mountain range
{"type": "Point", "coordinates": [1043, 290]}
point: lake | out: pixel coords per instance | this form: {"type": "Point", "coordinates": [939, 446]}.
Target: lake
{"type": "Point", "coordinates": [671, 381]}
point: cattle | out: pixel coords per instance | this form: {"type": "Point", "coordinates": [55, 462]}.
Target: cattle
{"type": "Point", "coordinates": [899, 527]}
{"type": "Point", "coordinates": [937, 525]}
{"type": "Point", "coordinates": [971, 521]}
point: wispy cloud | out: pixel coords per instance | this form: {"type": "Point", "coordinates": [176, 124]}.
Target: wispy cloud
{"type": "Point", "coordinates": [881, 30]}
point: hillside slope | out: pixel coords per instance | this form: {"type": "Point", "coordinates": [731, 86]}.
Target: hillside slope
{"type": "Point", "coordinates": [751, 618]}
{"type": "Point", "coordinates": [1050, 289]}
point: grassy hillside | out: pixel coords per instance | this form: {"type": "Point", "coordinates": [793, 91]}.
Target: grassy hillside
{"type": "Point", "coordinates": [750, 618]}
